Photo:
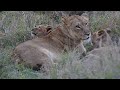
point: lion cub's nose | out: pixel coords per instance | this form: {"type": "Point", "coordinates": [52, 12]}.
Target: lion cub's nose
{"type": "Point", "coordinates": [33, 29]}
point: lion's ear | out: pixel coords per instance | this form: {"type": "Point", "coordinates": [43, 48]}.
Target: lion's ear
{"type": "Point", "coordinates": [49, 28]}
{"type": "Point", "coordinates": [85, 18]}
{"type": "Point", "coordinates": [101, 32]}
{"type": "Point", "coordinates": [64, 19]}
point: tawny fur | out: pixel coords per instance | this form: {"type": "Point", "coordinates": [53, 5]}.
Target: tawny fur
{"type": "Point", "coordinates": [101, 38]}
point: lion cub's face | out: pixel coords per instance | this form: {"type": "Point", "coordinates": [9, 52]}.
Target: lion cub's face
{"type": "Point", "coordinates": [76, 27]}
{"type": "Point", "coordinates": [101, 38]}
{"type": "Point", "coordinates": [41, 31]}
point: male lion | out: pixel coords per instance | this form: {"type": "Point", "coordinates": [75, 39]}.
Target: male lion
{"type": "Point", "coordinates": [45, 51]}
{"type": "Point", "coordinates": [101, 38]}
{"type": "Point", "coordinates": [41, 31]}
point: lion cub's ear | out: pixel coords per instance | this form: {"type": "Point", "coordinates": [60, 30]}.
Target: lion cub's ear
{"type": "Point", "coordinates": [101, 32]}
{"type": "Point", "coordinates": [108, 30]}
{"type": "Point", "coordinates": [49, 28]}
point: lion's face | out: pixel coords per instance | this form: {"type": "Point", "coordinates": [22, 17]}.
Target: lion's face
{"type": "Point", "coordinates": [41, 31]}
{"type": "Point", "coordinates": [76, 27]}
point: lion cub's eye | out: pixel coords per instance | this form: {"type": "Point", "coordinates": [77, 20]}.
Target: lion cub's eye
{"type": "Point", "coordinates": [98, 39]}
{"type": "Point", "coordinates": [86, 24]}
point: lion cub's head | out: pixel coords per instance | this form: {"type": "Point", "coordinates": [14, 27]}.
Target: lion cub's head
{"type": "Point", "coordinates": [41, 31]}
{"type": "Point", "coordinates": [101, 38]}
{"type": "Point", "coordinates": [76, 27]}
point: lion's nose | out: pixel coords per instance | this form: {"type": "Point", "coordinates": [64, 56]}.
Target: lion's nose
{"type": "Point", "coordinates": [87, 34]}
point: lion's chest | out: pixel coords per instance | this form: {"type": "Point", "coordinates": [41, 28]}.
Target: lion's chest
{"type": "Point", "coordinates": [48, 53]}
{"type": "Point", "coordinates": [52, 55]}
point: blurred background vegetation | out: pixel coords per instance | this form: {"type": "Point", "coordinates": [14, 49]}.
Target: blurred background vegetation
{"type": "Point", "coordinates": [17, 26]}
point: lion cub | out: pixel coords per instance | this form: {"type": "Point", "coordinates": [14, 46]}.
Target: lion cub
{"type": "Point", "coordinates": [41, 31]}
{"type": "Point", "coordinates": [101, 38]}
